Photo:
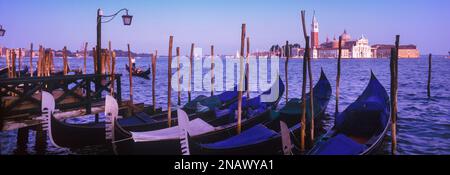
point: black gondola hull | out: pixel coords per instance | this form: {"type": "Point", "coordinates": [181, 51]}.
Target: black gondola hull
{"type": "Point", "coordinates": [124, 145]}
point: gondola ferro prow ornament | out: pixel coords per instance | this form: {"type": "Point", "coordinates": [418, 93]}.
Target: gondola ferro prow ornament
{"type": "Point", "coordinates": [48, 108]}
{"type": "Point", "coordinates": [286, 139]}
{"type": "Point", "coordinates": [183, 121]}
{"type": "Point", "coordinates": [111, 113]}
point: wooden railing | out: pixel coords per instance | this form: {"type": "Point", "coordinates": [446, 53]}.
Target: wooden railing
{"type": "Point", "coordinates": [21, 96]}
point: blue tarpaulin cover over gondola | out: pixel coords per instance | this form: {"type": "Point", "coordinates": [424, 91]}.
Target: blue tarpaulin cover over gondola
{"type": "Point", "coordinates": [228, 95]}
{"type": "Point", "coordinates": [253, 135]}
{"type": "Point", "coordinates": [340, 145]}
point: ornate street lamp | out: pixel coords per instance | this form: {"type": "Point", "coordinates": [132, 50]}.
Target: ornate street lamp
{"type": "Point", "coordinates": [126, 21]}
{"type": "Point", "coordinates": [2, 31]}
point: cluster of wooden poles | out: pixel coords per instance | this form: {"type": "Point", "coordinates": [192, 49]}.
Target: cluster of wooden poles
{"type": "Point", "coordinates": [45, 64]}
{"type": "Point", "coordinates": [11, 58]}
{"type": "Point", "coordinates": [46, 67]}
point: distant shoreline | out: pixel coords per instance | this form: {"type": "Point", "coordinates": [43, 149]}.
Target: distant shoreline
{"type": "Point", "coordinates": [223, 56]}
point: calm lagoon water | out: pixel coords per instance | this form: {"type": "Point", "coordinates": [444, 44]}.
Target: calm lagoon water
{"type": "Point", "coordinates": [423, 124]}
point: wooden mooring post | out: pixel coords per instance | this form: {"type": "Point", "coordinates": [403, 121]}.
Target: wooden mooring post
{"type": "Point", "coordinates": [130, 69]}
{"type": "Point", "coordinates": [178, 77]}
{"type": "Point", "coordinates": [241, 77]}
{"type": "Point", "coordinates": [429, 76]}
{"type": "Point", "coordinates": [109, 58]}
{"type": "Point", "coordinates": [40, 140]}
{"type": "Point", "coordinates": [394, 90]}
{"type": "Point", "coordinates": [31, 60]}
{"type": "Point", "coordinates": [65, 64]}
{"type": "Point", "coordinates": [169, 81]}
{"type": "Point", "coordinates": [94, 56]}
{"type": "Point", "coordinates": [20, 62]}
{"type": "Point", "coordinates": [311, 104]}
{"type": "Point", "coordinates": [113, 71]}
{"type": "Point", "coordinates": [22, 141]}
{"type": "Point", "coordinates": [13, 63]}
{"type": "Point", "coordinates": [85, 57]}
{"type": "Point", "coordinates": [212, 70]}
{"type": "Point", "coordinates": [154, 56]}
{"type": "Point", "coordinates": [303, 104]}
{"type": "Point", "coordinates": [8, 62]}
{"type": "Point", "coordinates": [286, 69]}
{"type": "Point", "coordinates": [247, 69]}
{"type": "Point", "coordinates": [191, 60]}
{"type": "Point", "coordinates": [338, 76]}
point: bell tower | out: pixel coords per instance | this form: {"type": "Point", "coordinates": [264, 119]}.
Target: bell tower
{"type": "Point", "coordinates": [314, 33]}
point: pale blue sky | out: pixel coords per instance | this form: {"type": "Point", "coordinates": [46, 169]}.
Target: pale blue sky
{"type": "Point", "coordinates": [54, 23]}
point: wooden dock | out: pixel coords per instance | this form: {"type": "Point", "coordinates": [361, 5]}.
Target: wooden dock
{"type": "Point", "coordinates": [20, 98]}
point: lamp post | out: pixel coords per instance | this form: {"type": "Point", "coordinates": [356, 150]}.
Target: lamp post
{"type": "Point", "coordinates": [126, 21]}
{"type": "Point", "coordinates": [2, 31]}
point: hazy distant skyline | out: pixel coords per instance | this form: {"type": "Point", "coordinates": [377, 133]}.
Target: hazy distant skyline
{"type": "Point", "coordinates": [57, 24]}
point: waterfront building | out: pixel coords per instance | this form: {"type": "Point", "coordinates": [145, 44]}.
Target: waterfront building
{"type": "Point", "coordinates": [359, 48]}
{"type": "Point", "coordinates": [404, 51]}
{"type": "Point", "coordinates": [35, 53]}
{"type": "Point", "coordinates": [18, 53]}
{"type": "Point", "coordinates": [362, 49]}
{"type": "Point", "coordinates": [350, 48]}
{"type": "Point", "coordinates": [333, 53]}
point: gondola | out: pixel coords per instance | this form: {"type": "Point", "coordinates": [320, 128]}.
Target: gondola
{"type": "Point", "coordinates": [80, 135]}
{"type": "Point", "coordinates": [361, 128]}
{"type": "Point", "coordinates": [167, 141]}
{"type": "Point", "coordinates": [267, 138]}
{"type": "Point", "coordinates": [138, 72]}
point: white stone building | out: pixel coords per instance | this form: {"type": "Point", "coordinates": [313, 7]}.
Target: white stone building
{"type": "Point", "coordinates": [362, 49]}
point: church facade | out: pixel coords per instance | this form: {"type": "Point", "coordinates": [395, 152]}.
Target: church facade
{"type": "Point", "coordinates": [359, 48]}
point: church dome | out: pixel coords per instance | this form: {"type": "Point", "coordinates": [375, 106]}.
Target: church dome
{"type": "Point", "coordinates": [346, 37]}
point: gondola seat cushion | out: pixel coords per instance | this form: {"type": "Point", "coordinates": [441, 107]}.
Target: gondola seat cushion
{"type": "Point", "coordinates": [196, 127]}
{"type": "Point", "coordinates": [340, 145]}
{"type": "Point", "coordinates": [254, 135]}
{"type": "Point", "coordinates": [361, 120]}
